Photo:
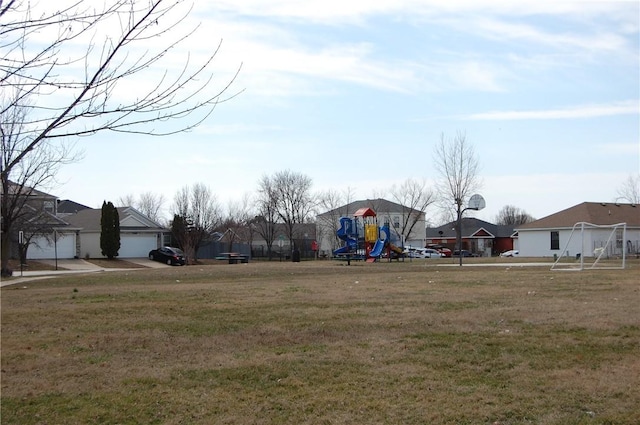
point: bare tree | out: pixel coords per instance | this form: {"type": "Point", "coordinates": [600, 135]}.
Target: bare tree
{"type": "Point", "coordinates": [630, 189]}
{"type": "Point", "coordinates": [69, 65]}
{"type": "Point", "coordinates": [148, 203]}
{"type": "Point", "coordinates": [245, 211]}
{"type": "Point", "coordinates": [414, 197]}
{"type": "Point", "coordinates": [128, 200]}
{"type": "Point", "coordinates": [36, 170]}
{"type": "Point", "coordinates": [510, 215]}
{"type": "Point", "coordinates": [293, 199]}
{"type": "Point", "coordinates": [458, 167]}
{"type": "Point", "coordinates": [39, 226]}
{"type": "Point", "coordinates": [196, 216]}
{"type": "Point", "coordinates": [267, 217]}
{"type": "Point", "coordinates": [236, 225]}
{"type": "Point", "coordinates": [283, 198]}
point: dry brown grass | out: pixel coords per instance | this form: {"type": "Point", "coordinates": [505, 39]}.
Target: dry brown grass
{"type": "Point", "coordinates": [321, 342]}
{"type": "Point", "coordinates": [31, 265]}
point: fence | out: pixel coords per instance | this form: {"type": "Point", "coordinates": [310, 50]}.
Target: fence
{"type": "Point", "coordinates": [212, 250]}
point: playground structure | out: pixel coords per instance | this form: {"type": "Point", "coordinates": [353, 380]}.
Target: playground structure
{"type": "Point", "coordinates": [364, 239]}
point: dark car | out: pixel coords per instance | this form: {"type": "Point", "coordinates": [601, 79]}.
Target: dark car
{"type": "Point", "coordinates": [465, 253]}
{"type": "Point", "coordinates": [168, 255]}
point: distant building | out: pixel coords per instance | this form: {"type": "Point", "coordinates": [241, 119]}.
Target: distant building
{"type": "Point", "coordinates": [478, 236]}
{"type": "Point", "coordinates": [549, 235]}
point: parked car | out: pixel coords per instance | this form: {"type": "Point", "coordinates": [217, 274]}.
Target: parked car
{"type": "Point", "coordinates": [413, 252]}
{"type": "Point", "coordinates": [510, 253]}
{"type": "Point", "coordinates": [446, 252]}
{"type": "Point", "coordinates": [168, 255]}
{"type": "Point", "coordinates": [432, 253]}
{"type": "Point", "coordinates": [465, 253]}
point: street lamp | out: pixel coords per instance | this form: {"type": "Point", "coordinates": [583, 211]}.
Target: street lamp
{"type": "Point", "coordinates": [476, 203]}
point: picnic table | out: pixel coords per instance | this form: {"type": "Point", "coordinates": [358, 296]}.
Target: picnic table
{"type": "Point", "coordinates": [233, 257]}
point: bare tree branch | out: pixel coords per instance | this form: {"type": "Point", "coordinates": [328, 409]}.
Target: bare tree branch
{"type": "Point", "coordinates": [294, 200]}
{"type": "Point", "coordinates": [67, 68]}
{"type": "Point", "coordinates": [198, 208]}
{"type": "Point", "coordinates": [458, 167]}
{"type": "Point", "coordinates": [629, 190]}
{"type": "Point", "coordinates": [415, 197]}
{"type": "Point", "coordinates": [92, 105]}
{"type": "Point", "coordinates": [510, 215]}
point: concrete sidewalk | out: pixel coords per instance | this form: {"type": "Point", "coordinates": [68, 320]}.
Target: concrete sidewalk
{"type": "Point", "coordinates": [69, 265]}
{"type": "Point", "coordinates": [72, 266]}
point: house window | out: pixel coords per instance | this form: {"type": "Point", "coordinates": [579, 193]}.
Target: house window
{"type": "Point", "coordinates": [619, 238]}
{"type": "Point", "coordinates": [48, 207]}
{"type": "Point", "coordinates": [555, 240]}
{"type": "Point", "coordinates": [396, 222]}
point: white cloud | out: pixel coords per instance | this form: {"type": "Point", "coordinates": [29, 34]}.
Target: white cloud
{"type": "Point", "coordinates": [629, 107]}
{"type": "Point", "coordinates": [278, 62]}
{"type": "Point", "coordinates": [334, 12]}
{"type": "Point", "coordinates": [503, 30]}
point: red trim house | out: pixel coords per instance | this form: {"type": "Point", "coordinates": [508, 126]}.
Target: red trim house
{"type": "Point", "coordinates": [478, 236]}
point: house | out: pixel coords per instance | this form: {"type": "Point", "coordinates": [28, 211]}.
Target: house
{"type": "Point", "coordinates": [138, 233]}
{"type": "Point", "coordinates": [407, 225]}
{"type": "Point", "coordinates": [78, 236]}
{"type": "Point", "coordinates": [478, 236]}
{"type": "Point", "coordinates": [51, 228]}
{"type": "Point", "coordinates": [37, 226]}
{"type": "Point", "coordinates": [59, 241]}
{"type": "Point", "coordinates": [550, 235]}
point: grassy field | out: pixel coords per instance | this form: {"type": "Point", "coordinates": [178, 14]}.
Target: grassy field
{"type": "Point", "coordinates": [324, 343]}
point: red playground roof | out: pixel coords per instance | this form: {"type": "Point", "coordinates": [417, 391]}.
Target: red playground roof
{"type": "Point", "coordinates": [365, 212]}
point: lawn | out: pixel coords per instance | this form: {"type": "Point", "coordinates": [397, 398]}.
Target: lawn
{"type": "Point", "coordinates": [324, 343]}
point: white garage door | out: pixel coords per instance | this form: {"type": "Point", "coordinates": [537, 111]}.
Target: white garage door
{"type": "Point", "coordinates": [41, 249]}
{"type": "Point", "coordinates": [136, 246]}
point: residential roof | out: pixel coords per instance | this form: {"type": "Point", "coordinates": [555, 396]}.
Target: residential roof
{"type": "Point", "coordinates": [89, 220]}
{"type": "Point", "coordinates": [15, 188]}
{"type": "Point", "coordinates": [365, 212]}
{"type": "Point", "coordinates": [70, 207]}
{"type": "Point", "coordinates": [46, 219]}
{"type": "Point", "coordinates": [471, 227]}
{"type": "Point", "coordinates": [601, 213]}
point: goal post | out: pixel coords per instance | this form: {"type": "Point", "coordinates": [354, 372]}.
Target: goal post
{"type": "Point", "coordinates": [597, 246]}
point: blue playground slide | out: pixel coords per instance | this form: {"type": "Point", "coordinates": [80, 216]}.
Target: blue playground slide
{"type": "Point", "coordinates": [351, 245]}
{"type": "Point", "coordinates": [377, 248]}
{"type": "Point", "coordinates": [344, 232]}
{"type": "Point", "coordinates": [342, 250]}
{"type": "Point", "coordinates": [346, 228]}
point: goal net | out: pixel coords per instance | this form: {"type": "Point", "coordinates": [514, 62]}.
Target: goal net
{"type": "Point", "coordinates": [593, 246]}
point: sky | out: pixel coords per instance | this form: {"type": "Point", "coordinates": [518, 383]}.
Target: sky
{"type": "Point", "coordinates": [357, 94]}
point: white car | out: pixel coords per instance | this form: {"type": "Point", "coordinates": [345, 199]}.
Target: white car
{"type": "Point", "coordinates": [510, 253]}
{"type": "Point", "coordinates": [412, 252]}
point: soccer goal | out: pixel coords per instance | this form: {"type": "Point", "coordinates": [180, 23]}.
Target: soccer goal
{"type": "Point", "coordinates": [596, 246]}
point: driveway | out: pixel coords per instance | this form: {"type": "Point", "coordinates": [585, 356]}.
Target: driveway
{"type": "Point", "coordinates": [72, 266]}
